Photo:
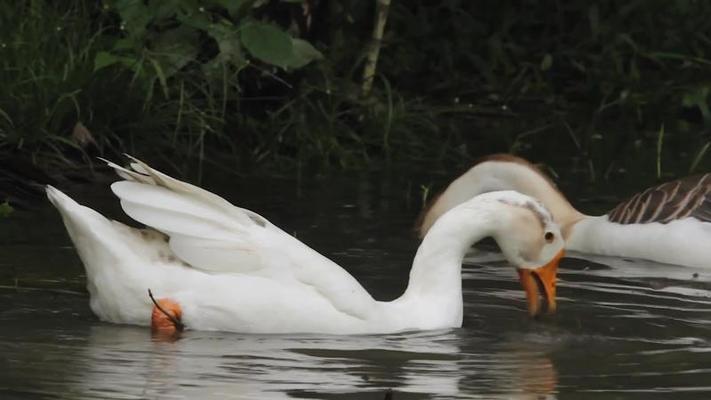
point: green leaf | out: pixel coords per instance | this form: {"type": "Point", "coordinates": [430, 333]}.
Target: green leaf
{"type": "Point", "coordinates": [164, 9]}
{"type": "Point", "coordinates": [5, 209]}
{"type": "Point", "coordinates": [234, 7]}
{"type": "Point", "coordinates": [175, 48]}
{"type": "Point", "coordinates": [125, 44]}
{"type": "Point", "coordinates": [105, 59]}
{"type": "Point", "coordinates": [699, 98]}
{"type": "Point", "coordinates": [303, 53]}
{"type": "Point", "coordinates": [134, 15]}
{"type": "Point", "coordinates": [227, 37]}
{"type": "Point", "coordinates": [695, 97]}
{"type": "Point", "coordinates": [194, 19]}
{"type": "Point", "coordinates": [267, 43]}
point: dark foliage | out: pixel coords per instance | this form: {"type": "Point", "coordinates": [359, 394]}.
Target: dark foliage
{"type": "Point", "coordinates": [600, 87]}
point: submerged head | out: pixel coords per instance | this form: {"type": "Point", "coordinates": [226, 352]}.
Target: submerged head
{"type": "Point", "coordinates": [528, 236]}
{"type": "Point", "coordinates": [499, 172]}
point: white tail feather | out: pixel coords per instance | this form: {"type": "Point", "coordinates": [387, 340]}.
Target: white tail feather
{"type": "Point", "coordinates": [205, 230]}
{"type": "Point", "coordinates": [212, 235]}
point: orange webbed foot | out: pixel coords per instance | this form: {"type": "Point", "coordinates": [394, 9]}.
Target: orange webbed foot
{"type": "Point", "coordinates": [166, 317]}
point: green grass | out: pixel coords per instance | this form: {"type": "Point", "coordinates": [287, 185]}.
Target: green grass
{"type": "Point", "coordinates": [46, 67]}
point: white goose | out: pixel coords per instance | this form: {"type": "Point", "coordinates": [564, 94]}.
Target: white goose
{"type": "Point", "coordinates": [220, 267]}
{"type": "Point", "coordinates": [669, 223]}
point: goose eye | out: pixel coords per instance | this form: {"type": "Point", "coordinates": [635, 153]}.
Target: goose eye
{"type": "Point", "coordinates": [549, 236]}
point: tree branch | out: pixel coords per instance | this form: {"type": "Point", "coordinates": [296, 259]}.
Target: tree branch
{"type": "Point", "coordinates": [371, 61]}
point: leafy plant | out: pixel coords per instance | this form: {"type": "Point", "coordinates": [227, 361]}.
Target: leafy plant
{"type": "Point", "coordinates": [160, 38]}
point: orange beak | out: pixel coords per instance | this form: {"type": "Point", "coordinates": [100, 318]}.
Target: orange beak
{"type": "Point", "coordinates": [545, 278]}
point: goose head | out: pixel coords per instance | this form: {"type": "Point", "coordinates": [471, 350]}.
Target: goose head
{"type": "Point", "coordinates": [524, 230]}
{"type": "Point", "coordinates": [531, 240]}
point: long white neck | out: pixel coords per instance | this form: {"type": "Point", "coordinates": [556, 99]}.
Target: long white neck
{"type": "Point", "coordinates": [434, 292]}
{"type": "Point", "coordinates": [502, 175]}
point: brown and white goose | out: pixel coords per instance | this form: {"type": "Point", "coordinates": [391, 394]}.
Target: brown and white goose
{"type": "Point", "coordinates": [668, 223]}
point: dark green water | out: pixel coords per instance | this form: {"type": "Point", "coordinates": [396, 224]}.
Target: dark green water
{"type": "Point", "coordinates": [625, 329]}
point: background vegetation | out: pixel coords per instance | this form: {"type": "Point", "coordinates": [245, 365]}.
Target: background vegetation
{"type": "Point", "coordinates": [599, 88]}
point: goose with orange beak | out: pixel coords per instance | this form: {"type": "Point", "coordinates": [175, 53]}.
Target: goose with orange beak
{"type": "Point", "coordinates": [214, 266]}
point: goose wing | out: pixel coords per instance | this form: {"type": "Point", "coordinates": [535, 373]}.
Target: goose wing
{"type": "Point", "coordinates": [210, 234]}
{"type": "Point", "coordinates": [688, 197]}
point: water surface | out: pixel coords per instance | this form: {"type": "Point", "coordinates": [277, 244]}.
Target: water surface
{"type": "Point", "coordinates": [625, 329]}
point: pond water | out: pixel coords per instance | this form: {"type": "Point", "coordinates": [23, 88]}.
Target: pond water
{"type": "Point", "coordinates": [625, 329]}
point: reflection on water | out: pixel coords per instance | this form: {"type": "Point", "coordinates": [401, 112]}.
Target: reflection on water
{"type": "Point", "coordinates": [625, 328]}
{"type": "Point", "coordinates": [235, 366]}
{"type": "Point", "coordinates": [94, 360]}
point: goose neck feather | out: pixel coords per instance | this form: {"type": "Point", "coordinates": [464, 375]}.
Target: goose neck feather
{"type": "Point", "coordinates": [502, 173]}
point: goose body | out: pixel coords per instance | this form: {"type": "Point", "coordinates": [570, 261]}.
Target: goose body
{"type": "Point", "coordinates": [669, 223]}
{"type": "Point", "coordinates": [229, 269]}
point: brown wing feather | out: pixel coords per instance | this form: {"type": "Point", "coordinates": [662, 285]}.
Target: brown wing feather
{"type": "Point", "coordinates": [682, 198]}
